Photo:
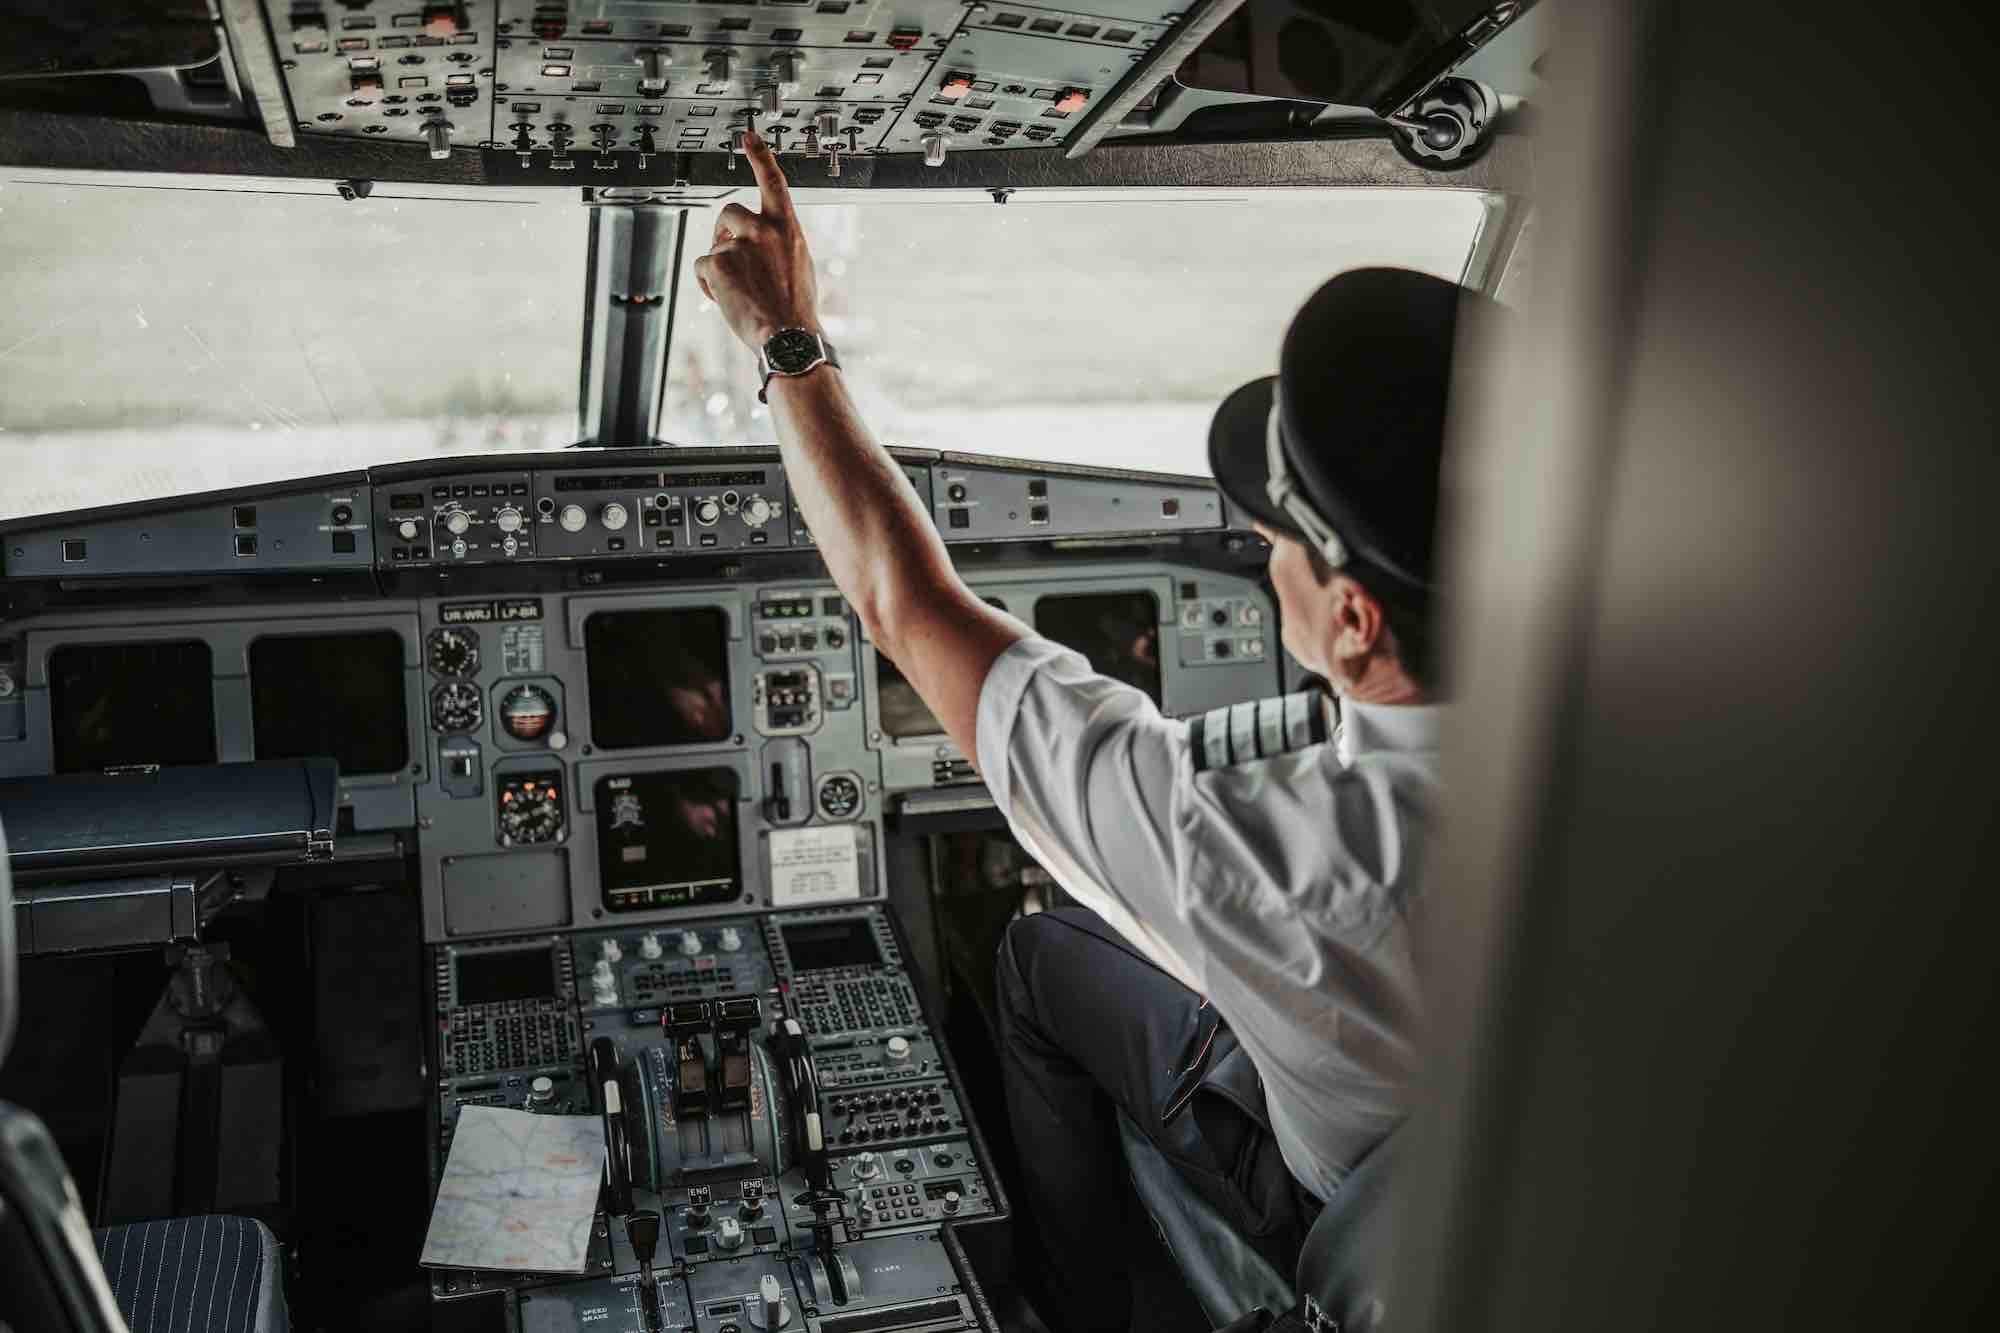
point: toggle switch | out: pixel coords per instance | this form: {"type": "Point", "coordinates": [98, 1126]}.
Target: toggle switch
{"type": "Point", "coordinates": [652, 72]}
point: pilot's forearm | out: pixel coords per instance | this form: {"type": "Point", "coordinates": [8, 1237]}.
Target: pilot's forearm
{"type": "Point", "coordinates": [883, 551]}
{"type": "Point", "coordinates": [875, 537]}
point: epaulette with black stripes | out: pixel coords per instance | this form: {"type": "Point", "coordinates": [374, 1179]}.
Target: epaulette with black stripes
{"type": "Point", "coordinates": [1260, 729]}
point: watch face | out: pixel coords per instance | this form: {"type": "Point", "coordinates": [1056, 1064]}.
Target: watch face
{"type": "Point", "coordinates": [791, 351]}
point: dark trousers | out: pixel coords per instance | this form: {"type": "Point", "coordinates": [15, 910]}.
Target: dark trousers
{"type": "Point", "coordinates": [1089, 1027]}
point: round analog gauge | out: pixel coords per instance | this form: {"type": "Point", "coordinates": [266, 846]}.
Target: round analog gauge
{"type": "Point", "coordinates": [454, 652]}
{"type": "Point", "coordinates": [839, 796]}
{"type": "Point", "coordinates": [455, 706]}
{"type": "Point", "coordinates": [527, 712]}
{"type": "Point", "coordinates": [530, 809]}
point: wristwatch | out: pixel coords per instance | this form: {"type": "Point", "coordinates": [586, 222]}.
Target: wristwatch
{"type": "Point", "coordinates": [792, 352]}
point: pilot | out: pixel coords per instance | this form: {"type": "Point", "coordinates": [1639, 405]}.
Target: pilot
{"type": "Point", "coordinates": [1243, 988]}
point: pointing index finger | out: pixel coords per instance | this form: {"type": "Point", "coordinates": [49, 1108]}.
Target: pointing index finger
{"type": "Point", "coordinates": [774, 194]}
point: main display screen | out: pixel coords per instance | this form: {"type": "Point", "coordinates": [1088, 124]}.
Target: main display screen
{"type": "Point", "coordinates": [816, 945]}
{"type": "Point", "coordinates": [331, 694]}
{"type": "Point", "coordinates": [117, 704]}
{"type": "Point", "coordinates": [658, 676]}
{"type": "Point", "coordinates": [489, 977]}
{"type": "Point", "coordinates": [1119, 632]}
{"type": "Point", "coordinates": [668, 839]}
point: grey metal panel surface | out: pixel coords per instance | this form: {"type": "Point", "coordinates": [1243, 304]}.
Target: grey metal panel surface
{"type": "Point", "coordinates": [499, 892]}
{"type": "Point", "coordinates": [971, 503]}
{"type": "Point", "coordinates": [289, 531]}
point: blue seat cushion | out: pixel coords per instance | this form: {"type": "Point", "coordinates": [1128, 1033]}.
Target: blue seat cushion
{"type": "Point", "coordinates": [195, 1275]}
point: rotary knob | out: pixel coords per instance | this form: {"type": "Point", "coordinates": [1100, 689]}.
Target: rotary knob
{"type": "Point", "coordinates": [730, 940]}
{"type": "Point", "coordinates": [729, 1234]}
{"type": "Point", "coordinates": [603, 984]}
{"type": "Point", "coordinates": [951, 1201]}
{"type": "Point", "coordinates": [572, 518]}
{"type": "Point", "coordinates": [458, 522]}
{"type": "Point", "coordinates": [770, 1311]}
{"type": "Point", "coordinates": [542, 1091]}
{"type": "Point", "coordinates": [612, 953]}
{"type": "Point", "coordinates": [706, 512]}
{"type": "Point", "coordinates": [508, 519]}
{"type": "Point", "coordinates": [757, 511]}
{"type": "Point", "coordinates": [613, 516]}
{"type": "Point", "coordinates": [690, 943]}
{"type": "Point", "coordinates": [866, 1166]}
{"type": "Point", "coordinates": [898, 1048]}
{"type": "Point", "coordinates": [409, 529]}
{"type": "Point", "coordinates": [649, 945]}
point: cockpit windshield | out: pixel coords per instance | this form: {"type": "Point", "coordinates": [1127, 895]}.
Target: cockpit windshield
{"type": "Point", "coordinates": [164, 338]}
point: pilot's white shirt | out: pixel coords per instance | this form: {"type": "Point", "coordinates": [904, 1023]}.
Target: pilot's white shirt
{"type": "Point", "coordinates": [1280, 888]}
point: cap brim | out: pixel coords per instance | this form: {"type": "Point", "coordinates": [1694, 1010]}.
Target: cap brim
{"type": "Point", "coordinates": [1238, 453]}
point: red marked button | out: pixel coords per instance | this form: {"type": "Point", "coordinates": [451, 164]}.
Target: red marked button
{"type": "Point", "coordinates": [1071, 99]}
{"type": "Point", "coordinates": [905, 39]}
{"type": "Point", "coordinates": [956, 86]}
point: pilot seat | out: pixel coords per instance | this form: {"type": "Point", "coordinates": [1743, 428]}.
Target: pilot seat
{"type": "Point", "coordinates": [1342, 1271]}
{"type": "Point", "coordinates": [214, 1273]}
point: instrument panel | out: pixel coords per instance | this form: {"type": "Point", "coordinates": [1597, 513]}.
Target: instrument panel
{"type": "Point", "coordinates": [785, 1107]}
{"type": "Point", "coordinates": [557, 83]}
{"type": "Point", "coordinates": [693, 737]}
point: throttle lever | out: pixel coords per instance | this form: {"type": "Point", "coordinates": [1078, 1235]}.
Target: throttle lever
{"type": "Point", "coordinates": [617, 1148]}
{"type": "Point", "coordinates": [788, 1039]}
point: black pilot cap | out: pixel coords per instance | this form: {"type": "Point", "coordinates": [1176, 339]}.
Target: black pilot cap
{"type": "Point", "coordinates": [1362, 386]}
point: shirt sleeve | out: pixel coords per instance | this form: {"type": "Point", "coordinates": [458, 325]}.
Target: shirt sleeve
{"type": "Point", "coordinates": [1085, 769]}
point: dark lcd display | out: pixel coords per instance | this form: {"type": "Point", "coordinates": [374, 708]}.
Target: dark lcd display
{"type": "Point", "coordinates": [668, 839]}
{"type": "Point", "coordinates": [903, 711]}
{"type": "Point", "coordinates": [513, 974]}
{"type": "Point", "coordinates": [658, 677]}
{"type": "Point", "coordinates": [1119, 632]}
{"type": "Point", "coordinates": [331, 694]}
{"type": "Point", "coordinates": [843, 942]}
{"type": "Point", "coordinates": [114, 705]}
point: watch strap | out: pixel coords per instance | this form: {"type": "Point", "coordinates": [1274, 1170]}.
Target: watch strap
{"type": "Point", "coordinates": [765, 370]}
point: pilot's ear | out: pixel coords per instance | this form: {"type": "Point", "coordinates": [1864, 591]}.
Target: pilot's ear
{"type": "Point", "coordinates": [1358, 618]}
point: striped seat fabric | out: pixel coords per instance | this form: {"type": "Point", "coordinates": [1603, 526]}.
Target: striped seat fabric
{"type": "Point", "coordinates": [195, 1275]}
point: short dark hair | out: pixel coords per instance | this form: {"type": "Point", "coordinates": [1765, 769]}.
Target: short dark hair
{"type": "Point", "coordinates": [1407, 613]}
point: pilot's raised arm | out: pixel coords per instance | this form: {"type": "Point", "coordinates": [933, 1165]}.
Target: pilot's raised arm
{"type": "Point", "coordinates": [1243, 985]}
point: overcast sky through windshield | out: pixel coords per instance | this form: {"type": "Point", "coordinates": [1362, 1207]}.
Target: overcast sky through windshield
{"type": "Point", "coordinates": [158, 341]}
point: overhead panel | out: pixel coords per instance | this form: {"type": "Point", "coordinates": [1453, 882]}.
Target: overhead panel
{"type": "Point", "coordinates": [420, 74]}
{"type": "Point", "coordinates": [569, 85]}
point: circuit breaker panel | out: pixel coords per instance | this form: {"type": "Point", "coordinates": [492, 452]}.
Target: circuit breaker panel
{"type": "Point", "coordinates": [569, 85]}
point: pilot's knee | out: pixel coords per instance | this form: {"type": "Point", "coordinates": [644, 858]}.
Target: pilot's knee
{"type": "Point", "coordinates": [1019, 944]}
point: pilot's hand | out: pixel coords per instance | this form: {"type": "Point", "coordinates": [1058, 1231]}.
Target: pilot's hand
{"type": "Point", "coordinates": [758, 270]}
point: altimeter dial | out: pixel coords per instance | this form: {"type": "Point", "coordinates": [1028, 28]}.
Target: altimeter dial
{"type": "Point", "coordinates": [456, 706]}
